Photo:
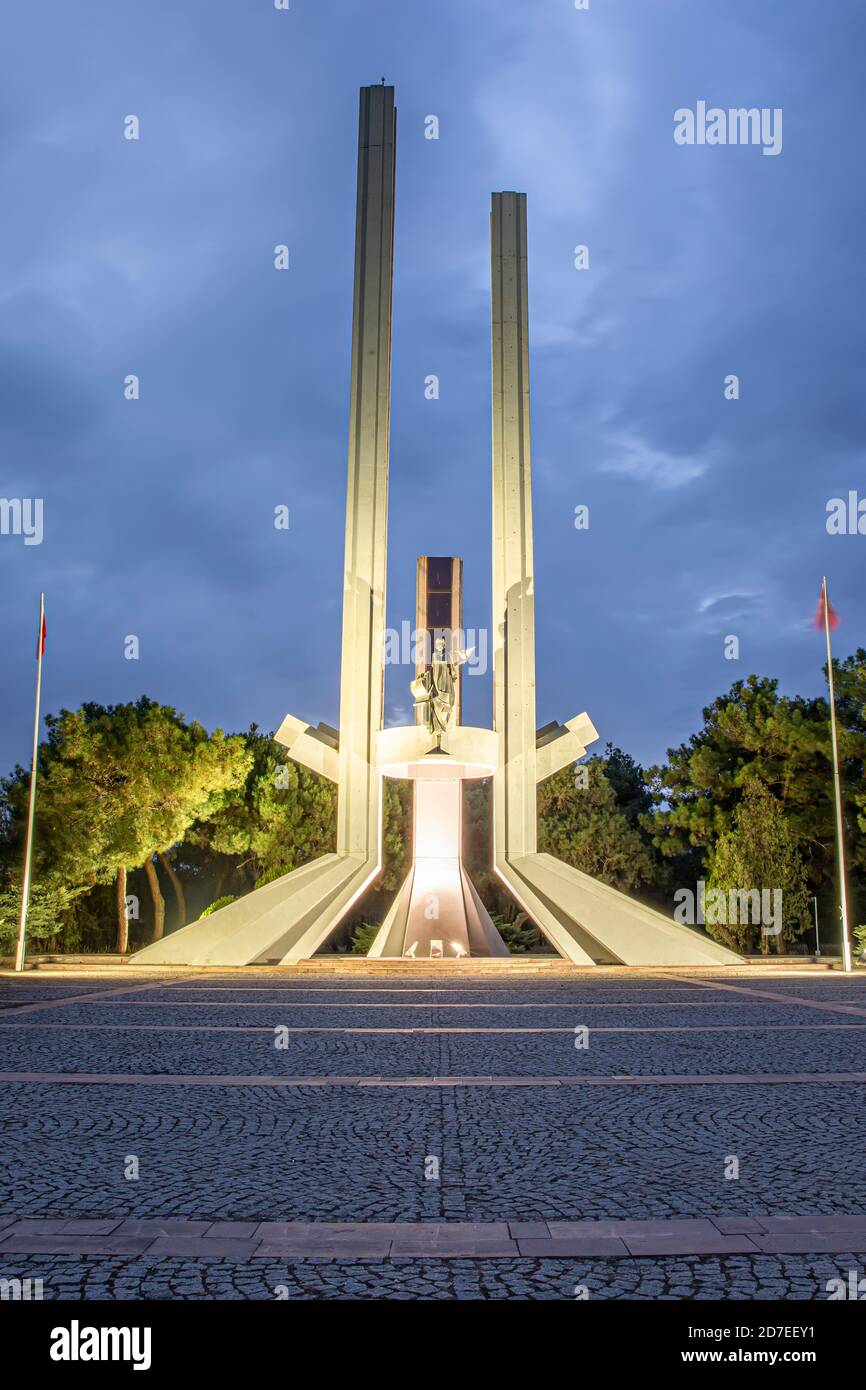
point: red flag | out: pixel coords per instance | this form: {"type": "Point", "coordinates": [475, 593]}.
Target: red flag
{"type": "Point", "coordinates": [40, 645]}
{"type": "Point", "coordinates": [832, 615]}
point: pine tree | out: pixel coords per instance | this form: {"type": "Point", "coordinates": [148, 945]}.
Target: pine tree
{"type": "Point", "coordinates": [759, 853]}
{"type": "Point", "coordinates": [584, 827]}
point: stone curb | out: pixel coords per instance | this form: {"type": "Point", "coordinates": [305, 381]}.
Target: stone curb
{"type": "Point", "coordinates": [81, 1078]}
{"type": "Point", "coordinates": [324, 1240]}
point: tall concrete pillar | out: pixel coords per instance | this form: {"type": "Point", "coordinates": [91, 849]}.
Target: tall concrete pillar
{"type": "Point", "coordinates": [289, 918]}
{"type": "Point", "coordinates": [362, 673]}
{"type": "Point", "coordinates": [513, 635]}
{"type": "Point", "coordinates": [584, 919]}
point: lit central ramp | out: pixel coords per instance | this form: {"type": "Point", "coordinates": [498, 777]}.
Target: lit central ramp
{"type": "Point", "coordinates": [437, 913]}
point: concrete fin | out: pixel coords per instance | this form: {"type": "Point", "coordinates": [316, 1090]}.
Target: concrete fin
{"type": "Point", "coordinates": [624, 929]}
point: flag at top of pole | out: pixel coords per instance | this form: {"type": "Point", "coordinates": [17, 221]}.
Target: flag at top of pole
{"type": "Point", "coordinates": [827, 617]}
{"type": "Point", "coordinates": [31, 809]}
{"type": "Point", "coordinates": [825, 612]}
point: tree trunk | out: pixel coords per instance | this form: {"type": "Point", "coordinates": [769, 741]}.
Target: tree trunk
{"type": "Point", "coordinates": [178, 888]}
{"type": "Point", "coordinates": [158, 900]}
{"type": "Point", "coordinates": [122, 921]}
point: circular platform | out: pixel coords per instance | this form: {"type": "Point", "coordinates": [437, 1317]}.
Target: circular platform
{"type": "Point", "coordinates": [405, 752]}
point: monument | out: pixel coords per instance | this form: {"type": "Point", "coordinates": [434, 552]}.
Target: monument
{"type": "Point", "coordinates": [437, 913]}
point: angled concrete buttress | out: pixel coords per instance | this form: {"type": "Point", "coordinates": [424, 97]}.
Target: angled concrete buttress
{"type": "Point", "coordinates": [585, 920]}
{"type": "Point", "coordinates": [291, 917]}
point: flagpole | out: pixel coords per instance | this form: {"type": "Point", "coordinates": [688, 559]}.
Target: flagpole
{"type": "Point", "coordinates": [840, 833]}
{"type": "Point", "coordinates": [31, 810]}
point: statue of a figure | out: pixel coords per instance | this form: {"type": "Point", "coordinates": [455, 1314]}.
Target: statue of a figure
{"type": "Point", "coordinates": [435, 690]}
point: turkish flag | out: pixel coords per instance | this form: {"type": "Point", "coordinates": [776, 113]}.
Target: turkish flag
{"type": "Point", "coordinates": [40, 646]}
{"type": "Point", "coordinates": [832, 615]}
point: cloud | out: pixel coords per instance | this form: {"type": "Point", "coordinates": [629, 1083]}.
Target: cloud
{"type": "Point", "coordinates": [637, 459]}
{"type": "Point", "coordinates": [726, 604]}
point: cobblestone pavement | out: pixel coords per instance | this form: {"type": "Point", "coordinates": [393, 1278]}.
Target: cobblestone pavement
{"type": "Point", "coordinates": [801, 1277]}
{"type": "Point", "coordinates": [836, 1048]}
{"type": "Point", "coordinates": [349, 1154]}
{"type": "Point", "coordinates": [343, 1153]}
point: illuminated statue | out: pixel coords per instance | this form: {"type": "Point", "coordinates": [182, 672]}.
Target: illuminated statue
{"type": "Point", "coordinates": [435, 691]}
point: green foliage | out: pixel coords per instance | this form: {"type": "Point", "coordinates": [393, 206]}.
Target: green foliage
{"type": "Point", "coordinates": [584, 827]}
{"type": "Point", "coordinates": [628, 781]}
{"type": "Point", "coordinates": [363, 938]}
{"type": "Point", "coordinates": [215, 906]}
{"type": "Point", "coordinates": [396, 833]}
{"type": "Point", "coordinates": [280, 818]}
{"type": "Point", "coordinates": [754, 735]}
{"type": "Point", "coordinates": [850, 677]}
{"type": "Point", "coordinates": [271, 876]}
{"type": "Point", "coordinates": [51, 909]}
{"type": "Point", "coordinates": [760, 852]}
{"type": "Point", "coordinates": [478, 823]}
{"type": "Point", "coordinates": [519, 935]}
{"type": "Point", "coordinates": [478, 848]}
{"type": "Point", "coordinates": [116, 785]}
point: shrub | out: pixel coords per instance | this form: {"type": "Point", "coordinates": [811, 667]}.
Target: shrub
{"type": "Point", "coordinates": [363, 938]}
{"type": "Point", "coordinates": [220, 902]}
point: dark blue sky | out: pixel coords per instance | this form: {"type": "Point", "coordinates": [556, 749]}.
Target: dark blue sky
{"type": "Point", "coordinates": [707, 516]}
